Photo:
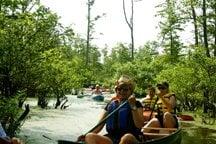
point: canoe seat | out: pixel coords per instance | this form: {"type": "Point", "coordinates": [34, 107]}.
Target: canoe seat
{"type": "Point", "coordinates": [159, 129]}
{"type": "Point", "coordinates": [155, 134]}
{"type": "Point", "coordinates": [152, 132]}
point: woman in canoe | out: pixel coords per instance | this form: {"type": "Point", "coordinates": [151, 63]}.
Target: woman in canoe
{"type": "Point", "coordinates": [127, 120]}
{"type": "Point", "coordinates": [166, 104]}
{"type": "Point", "coordinates": [165, 117]}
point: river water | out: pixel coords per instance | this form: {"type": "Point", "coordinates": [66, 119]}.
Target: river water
{"type": "Point", "coordinates": [47, 126]}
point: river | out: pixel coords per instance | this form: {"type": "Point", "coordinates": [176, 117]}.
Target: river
{"type": "Point", "coordinates": [47, 126]}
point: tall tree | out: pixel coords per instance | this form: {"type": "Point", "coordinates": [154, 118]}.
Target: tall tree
{"type": "Point", "coordinates": [205, 33]}
{"type": "Point", "coordinates": [89, 4]}
{"type": "Point", "coordinates": [170, 28]}
{"type": "Point", "coordinates": [130, 24]}
{"type": "Point", "coordinates": [194, 17]}
{"type": "Point", "coordinates": [90, 28]}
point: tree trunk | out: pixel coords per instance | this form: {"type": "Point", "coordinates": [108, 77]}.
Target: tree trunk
{"type": "Point", "coordinates": [215, 30]}
{"type": "Point", "coordinates": [195, 25]}
{"type": "Point", "coordinates": [14, 126]}
{"type": "Point", "coordinates": [88, 32]}
{"type": "Point", "coordinates": [205, 35]}
{"type": "Point", "coordinates": [130, 25]}
{"type": "Point", "coordinates": [42, 102]}
{"type": "Point", "coordinates": [58, 102]}
{"type": "Point", "coordinates": [132, 30]}
{"type": "Point", "coordinates": [206, 100]}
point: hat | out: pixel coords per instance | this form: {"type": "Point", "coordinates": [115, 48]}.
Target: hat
{"type": "Point", "coordinates": [124, 79]}
{"type": "Point", "coordinates": [163, 85]}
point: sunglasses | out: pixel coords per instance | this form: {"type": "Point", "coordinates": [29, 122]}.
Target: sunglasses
{"type": "Point", "coordinates": [123, 88]}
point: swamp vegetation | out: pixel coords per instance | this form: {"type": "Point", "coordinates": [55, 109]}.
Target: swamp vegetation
{"type": "Point", "coordinates": [42, 59]}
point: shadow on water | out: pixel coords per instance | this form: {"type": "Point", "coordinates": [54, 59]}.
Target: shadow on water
{"type": "Point", "coordinates": [47, 126]}
{"type": "Point", "coordinates": [198, 135]}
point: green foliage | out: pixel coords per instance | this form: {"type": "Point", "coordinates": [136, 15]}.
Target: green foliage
{"type": "Point", "coordinates": [42, 58]}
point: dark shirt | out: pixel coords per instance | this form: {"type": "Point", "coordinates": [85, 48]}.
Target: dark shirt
{"type": "Point", "coordinates": [131, 126]}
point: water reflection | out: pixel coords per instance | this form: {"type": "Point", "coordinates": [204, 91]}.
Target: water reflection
{"type": "Point", "coordinates": [79, 118]}
{"type": "Point", "coordinates": [198, 135]}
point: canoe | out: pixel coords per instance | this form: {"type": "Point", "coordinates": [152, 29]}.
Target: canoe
{"type": "Point", "coordinates": [98, 98]}
{"type": "Point", "coordinates": [83, 95]}
{"type": "Point", "coordinates": [174, 138]}
{"type": "Point", "coordinates": [185, 117]}
{"type": "Point", "coordinates": [80, 96]}
{"type": "Point", "coordinates": [69, 142]}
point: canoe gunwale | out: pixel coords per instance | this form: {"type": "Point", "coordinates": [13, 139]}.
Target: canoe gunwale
{"type": "Point", "coordinates": [174, 138]}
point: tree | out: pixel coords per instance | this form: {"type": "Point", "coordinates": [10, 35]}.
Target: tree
{"type": "Point", "coordinates": [205, 33]}
{"type": "Point", "coordinates": [170, 27]}
{"type": "Point", "coordinates": [130, 25]}
{"type": "Point", "coordinates": [90, 28]}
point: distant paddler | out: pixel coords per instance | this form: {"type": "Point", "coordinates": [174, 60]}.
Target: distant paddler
{"type": "Point", "coordinates": [97, 90]}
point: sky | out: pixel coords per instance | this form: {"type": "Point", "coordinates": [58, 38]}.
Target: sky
{"type": "Point", "coordinates": [112, 28]}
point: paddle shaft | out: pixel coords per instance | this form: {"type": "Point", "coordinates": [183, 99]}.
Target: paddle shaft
{"type": "Point", "coordinates": [153, 109]}
{"type": "Point", "coordinates": [109, 115]}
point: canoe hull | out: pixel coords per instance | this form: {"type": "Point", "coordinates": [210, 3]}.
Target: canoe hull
{"type": "Point", "coordinates": [69, 142]}
{"type": "Point", "coordinates": [174, 138]}
{"type": "Point", "coordinates": [98, 98]}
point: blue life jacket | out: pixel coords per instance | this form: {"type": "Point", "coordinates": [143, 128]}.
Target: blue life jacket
{"type": "Point", "coordinates": [120, 122]}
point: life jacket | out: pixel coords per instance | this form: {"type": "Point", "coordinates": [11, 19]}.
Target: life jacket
{"type": "Point", "coordinates": [120, 122]}
{"type": "Point", "coordinates": [162, 108]}
{"type": "Point", "coordinates": [148, 104]}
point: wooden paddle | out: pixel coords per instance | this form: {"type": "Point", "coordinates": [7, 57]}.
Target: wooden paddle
{"type": "Point", "coordinates": [153, 109]}
{"type": "Point", "coordinates": [101, 122]}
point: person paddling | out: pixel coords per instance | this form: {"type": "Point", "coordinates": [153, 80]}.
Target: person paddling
{"type": "Point", "coordinates": [97, 90]}
{"type": "Point", "coordinates": [165, 117]}
{"type": "Point", "coordinates": [166, 104]}
{"type": "Point", "coordinates": [128, 120]}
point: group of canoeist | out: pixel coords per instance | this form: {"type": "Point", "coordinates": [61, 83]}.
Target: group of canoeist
{"type": "Point", "coordinates": [129, 123]}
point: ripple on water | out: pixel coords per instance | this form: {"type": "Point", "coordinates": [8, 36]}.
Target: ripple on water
{"type": "Point", "coordinates": [198, 135]}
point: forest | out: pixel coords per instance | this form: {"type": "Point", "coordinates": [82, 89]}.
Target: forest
{"type": "Point", "coordinates": [43, 59]}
